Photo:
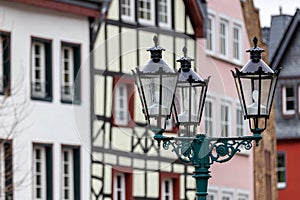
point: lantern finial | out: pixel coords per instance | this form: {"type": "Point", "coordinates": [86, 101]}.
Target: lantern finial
{"type": "Point", "coordinates": [155, 39]}
{"type": "Point", "coordinates": [184, 50]}
{"type": "Point", "coordinates": [156, 51]}
{"type": "Point", "coordinates": [255, 52]}
{"type": "Point", "coordinates": [255, 40]}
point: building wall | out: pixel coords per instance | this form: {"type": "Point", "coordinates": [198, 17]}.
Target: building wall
{"type": "Point", "coordinates": [264, 165]}
{"type": "Point", "coordinates": [121, 46]}
{"type": "Point", "coordinates": [289, 147]}
{"type": "Point", "coordinates": [234, 177]}
{"type": "Point", "coordinates": [52, 122]}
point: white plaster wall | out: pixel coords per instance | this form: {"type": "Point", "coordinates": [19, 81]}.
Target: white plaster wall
{"type": "Point", "coordinates": [47, 122]}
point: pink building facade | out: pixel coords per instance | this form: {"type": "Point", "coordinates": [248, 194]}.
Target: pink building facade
{"type": "Point", "coordinates": [223, 50]}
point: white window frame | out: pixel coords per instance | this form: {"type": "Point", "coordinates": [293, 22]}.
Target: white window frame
{"type": "Point", "coordinates": [164, 193]}
{"type": "Point", "coordinates": [119, 107]}
{"type": "Point", "coordinates": [167, 14]}
{"type": "Point", "coordinates": [225, 123]}
{"type": "Point", "coordinates": [41, 68]}
{"type": "Point", "coordinates": [2, 172]}
{"type": "Point", "coordinates": [243, 196]}
{"type": "Point", "coordinates": [122, 188]}
{"type": "Point", "coordinates": [282, 185]}
{"type": "Point", "coordinates": [237, 41]}
{"type": "Point", "coordinates": [147, 22]}
{"type": "Point", "coordinates": [241, 126]}
{"type": "Point", "coordinates": [1, 64]}
{"type": "Point", "coordinates": [131, 16]}
{"type": "Point", "coordinates": [224, 37]}
{"type": "Point", "coordinates": [212, 119]}
{"type": "Point", "coordinates": [68, 174]}
{"type": "Point", "coordinates": [42, 173]}
{"type": "Point", "coordinates": [69, 72]}
{"type": "Point", "coordinates": [211, 36]}
{"type": "Point", "coordinates": [227, 195]}
{"type": "Point", "coordinates": [284, 99]}
{"type": "Point", "coordinates": [212, 194]}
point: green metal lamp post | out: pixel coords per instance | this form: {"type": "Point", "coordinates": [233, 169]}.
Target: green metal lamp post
{"type": "Point", "coordinates": [186, 92]}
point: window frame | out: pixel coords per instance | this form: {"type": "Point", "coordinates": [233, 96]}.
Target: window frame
{"type": "Point", "coordinates": [224, 37]}
{"type": "Point", "coordinates": [129, 103]}
{"type": "Point", "coordinates": [212, 192]}
{"type": "Point", "coordinates": [75, 86]}
{"type": "Point", "coordinates": [227, 123]}
{"type": "Point", "coordinates": [128, 18]}
{"type": "Point", "coordinates": [243, 122]}
{"type": "Point", "coordinates": [239, 40]}
{"type": "Point", "coordinates": [5, 51]}
{"type": "Point", "coordinates": [284, 100]}
{"type": "Point", "coordinates": [74, 168]}
{"type": "Point", "coordinates": [175, 177]}
{"type": "Point", "coordinates": [45, 95]}
{"type": "Point", "coordinates": [128, 176]}
{"type": "Point", "coordinates": [282, 185]}
{"type": "Point", "coordinates": [48, 167]}
{"type": "Point", "coordinates": [168, 14]}
{"type": "Point", "coordinates": [212, 118]}
{"type": "Point", "coordinates": [147, 22]}
{"type": "Point", "coordinates": [211, 34]}
{"type": "Point", "coordinates": [227, 194]}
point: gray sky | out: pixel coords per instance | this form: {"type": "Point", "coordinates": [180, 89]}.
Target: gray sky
{"type": "Point", "coordinates": [271, 7]}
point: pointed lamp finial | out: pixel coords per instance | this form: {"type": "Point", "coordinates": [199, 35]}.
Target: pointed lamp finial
{"type": "Point", "coordinates": [184, 50]}
{"type": "Point", "coordinates": [255, 40]}
{"type": "Point", "coordinates": [155, 39]}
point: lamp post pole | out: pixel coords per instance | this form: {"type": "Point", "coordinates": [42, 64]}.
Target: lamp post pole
{"type": "Point", "coordinates": [163, 91]}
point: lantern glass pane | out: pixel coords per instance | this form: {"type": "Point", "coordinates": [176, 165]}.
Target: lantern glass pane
{"type": "Point", "coordinates": [158, 90]}
{"type": "Point", "coordinates": [188, 101]}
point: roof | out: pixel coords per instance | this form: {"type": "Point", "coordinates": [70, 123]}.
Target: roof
{"type": "Point", "coordinates": [286, 38]}
{"type": "Point", "coordinates": [196, 10]}
{"type": "Point", "coordinates": [89, 8]}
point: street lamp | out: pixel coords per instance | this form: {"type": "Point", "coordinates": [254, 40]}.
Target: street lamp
{"type": "Point", "coordinates": [187, 93]}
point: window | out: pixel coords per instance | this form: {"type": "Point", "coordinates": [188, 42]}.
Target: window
{"type": "Point", "coordinates": [127, 10]}
{"type": "Point", "coordinates": [210, 38]}
{"type": "Point", "coordinates": [223, 37]}
{"type": "Point", "coordinates": [123, 109]}
{"type": "Point", "coordinates": [167, 189]}
{"type": "Point", "coordinates": [242, 196]}
{"type": "Point", "coordinates": [209, 118]}
{"type": "Point", "coordinates": [4, 63]}
{"type": "Point", "coordinates": [225, 120]}
{"type": "Point", "coordinates": [240, 122]}
{"type": "Point", "coordinates": [41, 75]}
{"type": "Point", "coordinates": [6, 182]}
{"type": "Point", "coordinates": [70, 169]}
{"type": "Point", "coordinates": [288, 100]}
{"type": "Point", "coordinates": [281, 170]}
{"type": "Point", "coordinates": [169, 186]}
{"type": "Point", "coordinates": [122, 184]}
{"type": "Point", "coordinates": [70, 64]}
{"type": "Point", "coordinates": [237, 42]}
{"type": "Point", "coordinates": [212, 195]}
{"type": "Point", "coordinates": [42, 172]}
{"type": "Point", "coordinates": [164, 13]}
{"type": "Point", "coordinates": [227, 196]}
{"type": "Point", "coordinates": [146, 12]}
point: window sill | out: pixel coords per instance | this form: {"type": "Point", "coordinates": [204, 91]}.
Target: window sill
{"type": "Point", "coordinates": [281, 185]}
{"type": "Point", "coordinates": [36, 98]}
{"type": "Point", "coordinates": [65, 101]}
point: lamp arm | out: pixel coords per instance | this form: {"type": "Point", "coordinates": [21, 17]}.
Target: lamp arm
{"type": "Point", "coordinates": [191, 149]}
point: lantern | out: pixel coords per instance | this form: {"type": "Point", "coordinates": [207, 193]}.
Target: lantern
{"type": "Point", "coordinates": [156, 83]}
{"type": "Point", "coordinates": [255, 84]}
{"type": "Point", "coordinates": [190, 97]}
